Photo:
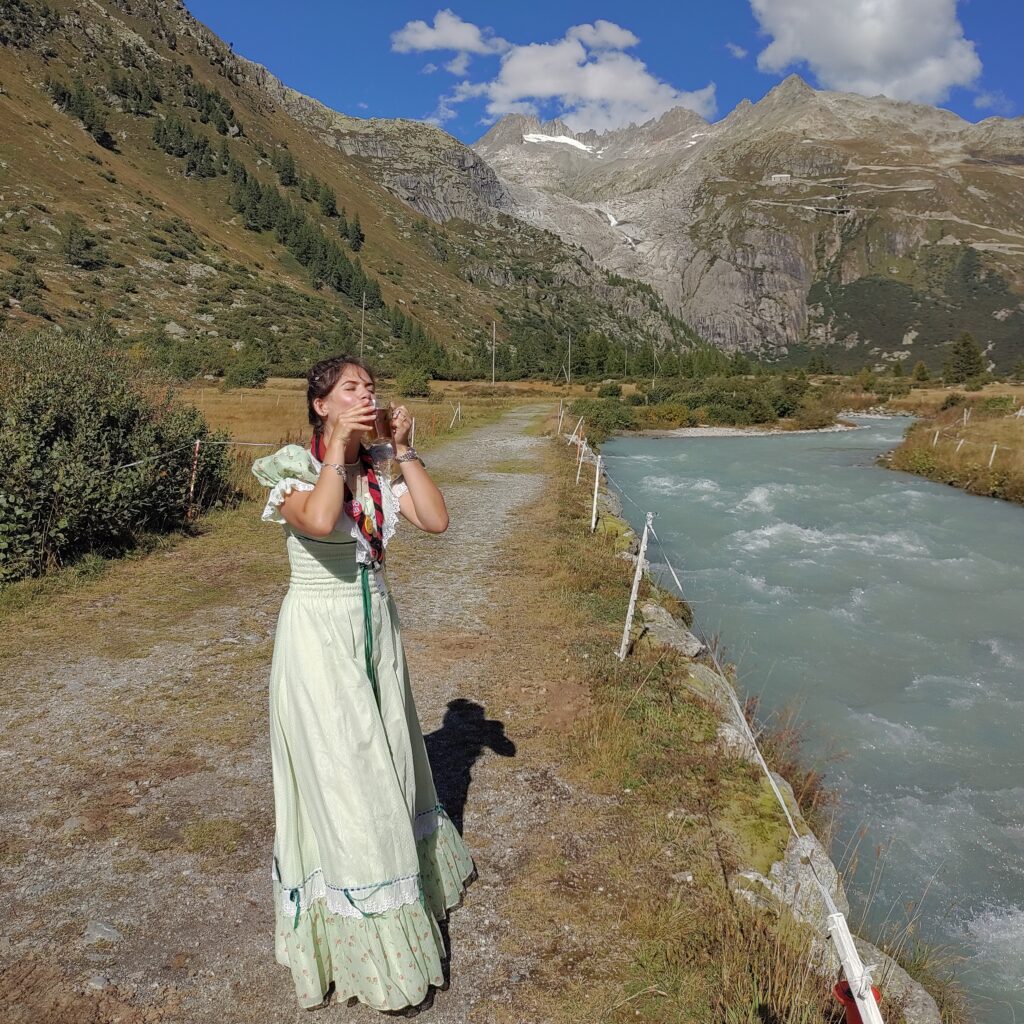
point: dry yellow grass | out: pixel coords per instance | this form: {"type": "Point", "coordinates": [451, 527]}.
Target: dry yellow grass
{"type": "Point", "coordinates": [927, 401]}
{"type": "Point", "coordinates": [984, 456]}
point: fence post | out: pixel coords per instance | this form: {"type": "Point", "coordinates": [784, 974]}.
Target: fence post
{"type": "Point", "coordinates": [853, 968]}
{"type": "Point", "coordinates": [935, 439]}
{"type": "Point", "coordinates": [561, 413]}
{"type": "Point", "coordinates": [637, 576]}
{"type": "Point", "coordinates": [575, 430]}
{"type": "Point", "coordinates": [579, 464]}
{"type": "Point", "coordinates": [593, 509]}
{"type": "Point", "coordinates": [992, 457]}
{"type": "Point", "coordinates": [192, 478]}
{"type": "Point", "coordinates": [959, 445]}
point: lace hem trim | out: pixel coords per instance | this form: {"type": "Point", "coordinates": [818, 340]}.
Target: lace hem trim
{"type": "Point", "coordinates": [359, 900]}
{"type": "Point", "coordinates": [280, 491]}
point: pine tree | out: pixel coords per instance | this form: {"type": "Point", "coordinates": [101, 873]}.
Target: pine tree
{"type": "Point", "coordinates": [328, 201]}
{"type": "Point", "coordinates": [897, 368]}
{"type": "Point", "coordinates": [355, 234]}
{"type": "Point", "coordinates": [285, 167]}
{"type": "Point", "coordinates": [920, 371]}
{"type": "Point", "coordinates": [965, 361]}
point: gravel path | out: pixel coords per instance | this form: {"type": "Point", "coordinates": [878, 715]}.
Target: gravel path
{"type": "Point", "coordinates": [137, 800]}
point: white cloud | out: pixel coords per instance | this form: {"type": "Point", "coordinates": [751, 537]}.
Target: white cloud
{"type": "Point", "coordinates": [996, 101]}
{"type": "Point", "coordinates": [737, 51]}
{"type": "Point", "coordinates": [428, 69]}
{"type": "Point", "coordinates": [449, 32]}
{"type": "Point", "coordinates": [603, 35]}
{"type": "Point", "coordinates": [459, 64]}
{"type": "Point", "coordinates": [586, 76]}
{"type": "Point", "coordinates": [906, 49]}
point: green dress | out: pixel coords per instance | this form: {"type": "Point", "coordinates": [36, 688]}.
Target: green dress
{"type": "Point", "coordinates": [366, 861]}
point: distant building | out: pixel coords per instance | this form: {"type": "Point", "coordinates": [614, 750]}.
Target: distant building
{"type": "Point", "coordinates": [780, 179]}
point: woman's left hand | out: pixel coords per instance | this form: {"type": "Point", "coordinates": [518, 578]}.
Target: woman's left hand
{"type": "Point", "coordinates": [401, 425]}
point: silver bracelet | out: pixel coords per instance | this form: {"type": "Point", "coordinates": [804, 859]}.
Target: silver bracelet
{"type": "Point", "coordinates": [407, 456]}
{"type": "Point", "coordinates": [337, 467]}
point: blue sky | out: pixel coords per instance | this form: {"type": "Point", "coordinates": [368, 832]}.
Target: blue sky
{"type": "Point", "coordinates": [601, 65]}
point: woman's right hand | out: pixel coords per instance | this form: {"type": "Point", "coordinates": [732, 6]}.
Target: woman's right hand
{"type": "Point", "coordinates": [353, 419]}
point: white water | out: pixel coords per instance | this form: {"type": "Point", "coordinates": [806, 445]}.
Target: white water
{"type": "Point", "coordinates": [890, 610]}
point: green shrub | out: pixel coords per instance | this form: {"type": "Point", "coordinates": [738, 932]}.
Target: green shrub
{"type": "Point", "coordinates": [602, 416]}
{"type": "Point", "coordinates": [997, 405]}
{"type": "Point", "coordinates": [952, 401]}
{"type": "Point", "coordinates": [70, 414]}
{"type": "Point", "coordinates": [667, 416]}
{"type": "Point", "coordinates": [413, 383]}
{"type": "Point", "coordinates": [249, 370]}
{"type": "Point", "coordinates": [609, 391]}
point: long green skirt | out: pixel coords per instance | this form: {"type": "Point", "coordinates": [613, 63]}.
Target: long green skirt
{"type": "Point", "coordinates": [365, 859]}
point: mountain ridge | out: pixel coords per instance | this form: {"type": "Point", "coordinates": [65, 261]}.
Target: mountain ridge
{"type": "Point", "coordinates": [187, 201]}
{"type": "Point", "coordinates": [808, 218]}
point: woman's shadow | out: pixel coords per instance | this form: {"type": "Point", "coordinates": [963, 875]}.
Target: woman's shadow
{"type": "Point", "coordinates": [454, 748]}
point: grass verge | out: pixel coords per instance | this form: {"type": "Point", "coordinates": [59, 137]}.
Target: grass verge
{"type": "Point", "coordinates": [983, 455]}
{"type": "Point", "coordinates": [628, 893]}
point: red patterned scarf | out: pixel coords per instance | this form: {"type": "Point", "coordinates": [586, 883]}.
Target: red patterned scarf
{"type": "Point", "coordinates": [369, 521]}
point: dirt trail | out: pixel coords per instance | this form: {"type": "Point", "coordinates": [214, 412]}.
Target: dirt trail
{"type": "Point", "coordinates": [136, 794]}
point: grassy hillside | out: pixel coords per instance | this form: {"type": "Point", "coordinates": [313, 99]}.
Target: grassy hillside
{"type": "Point", "coordinates": [151, 188]}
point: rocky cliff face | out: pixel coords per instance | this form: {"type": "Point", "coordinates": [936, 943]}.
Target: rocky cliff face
{"type": "Point", "coordinates": [421, 165]}
{"type": "Point", "coordinates": [875, 228]}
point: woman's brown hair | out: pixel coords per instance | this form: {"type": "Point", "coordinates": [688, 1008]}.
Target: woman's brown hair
{"type": "Point", "coordinates": [320, 382]}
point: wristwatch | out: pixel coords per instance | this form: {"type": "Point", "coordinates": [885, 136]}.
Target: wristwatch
{"type": "Point", "coordinates": [407, 456]}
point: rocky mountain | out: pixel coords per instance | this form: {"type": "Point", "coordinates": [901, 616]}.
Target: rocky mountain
{"type": "Point", "coordinates": [159, 185]}
{"type": "Point", "coordinates": [875, 229]}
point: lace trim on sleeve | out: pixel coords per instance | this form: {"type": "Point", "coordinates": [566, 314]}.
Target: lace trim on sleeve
{"type": "Point", "coordinates": [280, 491]}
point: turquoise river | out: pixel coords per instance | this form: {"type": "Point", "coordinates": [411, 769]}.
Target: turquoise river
{"type": "Point", "coordinates": [889, 611]}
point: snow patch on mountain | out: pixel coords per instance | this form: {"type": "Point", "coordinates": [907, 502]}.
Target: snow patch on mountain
{"type": "Point", "coordinates": [564, 139]}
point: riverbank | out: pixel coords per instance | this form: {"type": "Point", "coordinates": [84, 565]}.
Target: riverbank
{"type": "Point", "coordinates": [775, 877]}
{"type": "Point", "coordinates": [975, 443]}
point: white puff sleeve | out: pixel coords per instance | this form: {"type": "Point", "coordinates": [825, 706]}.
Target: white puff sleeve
{"type": "Point", "coordinates": [280, 491]}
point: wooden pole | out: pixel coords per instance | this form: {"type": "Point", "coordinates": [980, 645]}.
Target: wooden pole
{"type": "Point", "coordinates": [637, 576]}
{"type": "Point", "coordinates": [992, 457]}
{"type": "Point", "coordinates": [593, 508]}
{"type": "Point", "coordinates": [362, 326]}
{"type": "Point", "coordinates": [192, 478]}
{"type": "Point", "coordinates": [494, 346]}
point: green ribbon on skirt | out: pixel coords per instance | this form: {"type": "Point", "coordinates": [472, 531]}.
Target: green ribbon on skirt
{"type": "Point", "coordinates": [364, 578]}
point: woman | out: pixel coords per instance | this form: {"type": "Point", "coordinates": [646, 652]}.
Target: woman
{"type": "Point", "coordinates": [365, 859]}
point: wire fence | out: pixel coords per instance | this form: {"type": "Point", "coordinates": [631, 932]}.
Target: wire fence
{"type": "Point", "coordinates": [858, 975]}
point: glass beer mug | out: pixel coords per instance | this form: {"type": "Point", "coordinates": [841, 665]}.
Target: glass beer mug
{"type": "Point", "coordinates": [381, 442]}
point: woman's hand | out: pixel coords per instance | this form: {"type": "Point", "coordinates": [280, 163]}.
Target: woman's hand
{"type": "Point", "coordinates": [354, 419]}
{"type": "Point", "coordinates": [401, 425]}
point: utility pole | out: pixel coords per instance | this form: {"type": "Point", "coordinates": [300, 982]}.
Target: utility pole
{"type": "Point", "coordinates": [494, 346]}
{"type": "Point", "coordinates": [568, 376]}
{"type": "Point", "coordinates": [362, 325]}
